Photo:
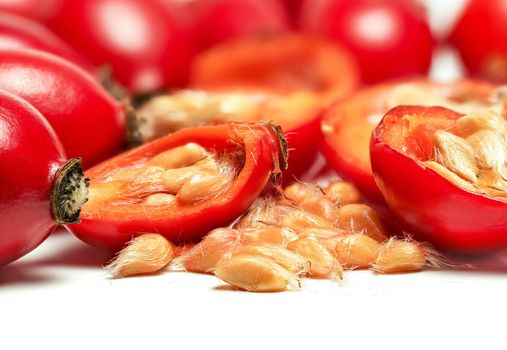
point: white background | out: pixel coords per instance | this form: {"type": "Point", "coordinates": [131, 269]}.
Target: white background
{"type": "Point", "coordinates": [58, 297]}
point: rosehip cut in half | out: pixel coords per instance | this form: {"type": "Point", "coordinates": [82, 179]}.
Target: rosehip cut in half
{"type": "Point", "coordinates": [88, 121]}
{"type": "Point", "coordinates": [285, 78]}
{"type": "Point", "coordinates": [281, 64]}
{"type": "Point", "coordinates": [297, 114]}
{"type": "Point", "coordinates": [39, 188]}
{"type": "Point", "coordinates": [347, 125]}
{"type": "Point", "coordinates": [443, 175]}
{"type": "Point", "coordinates": [182, 185]}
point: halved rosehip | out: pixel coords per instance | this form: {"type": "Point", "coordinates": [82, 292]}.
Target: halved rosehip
{"type": "Point", "coordinates": [285, 78]}
{"type": "Point", "coordinates": [443, 175]}
{"type": "Point", "coordinates": [182, 185]}
{"type": "Point", "coordinates": [348, 124]}
{"type": "Point", "coordinates": [280, 63]}
{"type": "Point", "coordinates": [298, 114]}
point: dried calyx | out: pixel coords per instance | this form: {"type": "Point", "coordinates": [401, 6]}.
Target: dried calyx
{"type": "Point", "coordinates": [474, 156]}
{"type": "Point", "coordinates": [187, 174]}
{"type": "Point", "coordinates": [70, 192]}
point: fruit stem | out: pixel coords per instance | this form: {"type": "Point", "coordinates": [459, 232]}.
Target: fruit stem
{"type": "Point", "coordinates": [70, 192]}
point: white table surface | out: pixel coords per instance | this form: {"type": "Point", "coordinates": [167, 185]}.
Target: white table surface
{"type": "Point", "coordinates": [58, 297]}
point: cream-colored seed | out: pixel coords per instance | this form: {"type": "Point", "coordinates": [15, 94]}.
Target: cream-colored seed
{"type": "Point", "coordinates": [342, 193]}
{"type": "Point", "coordinates": [202, 187]}
{"type": "Point", "coordinates": [255, 274]}
{"type": "Point", "coordinates": [145, 254]}
{"type": "Point", "coordinates": [179, 157]}
{"type": "Point", "coordinates": [270, 234]}
{"type": "Point", "coordinates": [174, 179]}
{"type": "Point", "coordinates": [321, 207]}
{"type": "Point", "coordinates": [490, 150]}
{"type": "Point", "coordinates": [456, 154]}
{"type": "Point", "coordinates": [322, 262]}
{"type": "Point", "coordinates": [204, 256]}
{"type": "Point", "coordinates": [398, 256]}
{"type": "Point", "coordinates": [327, 237]}
{"type": "Point", "coordinates": [263, 211]}
{"type": "Point", "coordinates": [485, 120]}
{"type": "Point", "coordinates": [360, 218]}
{"type": "Point", "coordinates": [298, 219]}
{"type": "Point", "coordinates": [297, 192]}
{"type": "Point", "coordinates": [287, 259]}
{"type": "Point", "coordinates": [493, 182]}
{"type": "Point", "coordinates": [357, 251]}
{"type": "Point", "coordinates": [160, 199]}
{"type": "Point", "coordinates": [449, 175]}
{"type": "Point", "coordinates": [168, 113]}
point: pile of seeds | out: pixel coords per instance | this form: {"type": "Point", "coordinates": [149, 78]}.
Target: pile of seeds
{"type": "Point", "coordinates": [307, 231]}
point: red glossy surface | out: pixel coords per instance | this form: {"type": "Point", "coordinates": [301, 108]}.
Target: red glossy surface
{"type": "Point", "coordinates": [303, 142]}
{"type": "Point", "coordinates": [480, 35]}
{"type": "Point", "coordinates": [427, 204]}
{"type": "Point", "coordinates": [30, 155]}
{"type": "Point", "coordinates": [215, 21]}
{"type": "Point", "coordinates": [111, 226]}
{"type": "Point", "coordinates": [35, 9]}
{"type": "Point", "coordinates": [17, 32]}
{"type": "Point", "coordinates": [87, 120]}
{"type": "Point", "coordinates": [389, 38]}
{"type": "Point", "coordinates": [293, 10]}
{"type": "Point", "coordinates": [142, 41]}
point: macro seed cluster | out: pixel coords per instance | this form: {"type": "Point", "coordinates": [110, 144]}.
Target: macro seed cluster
{"type": "Point", "coordinates": [307, 231]}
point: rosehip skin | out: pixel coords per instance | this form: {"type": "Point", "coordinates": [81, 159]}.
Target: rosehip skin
{"type": "Point", "coordinates": [88, 121]}
{"type": "Point", "coordinates": [34, 9]}
{"type": "Point", "coordinates": [480, 36]}
{"type": "Point", "coordinates": [216, 21]}
{"type": "Point", "coordinates": [30, 157]}
{"type": "Point", "coordinates": [390, 39]}
{"type": "Point", "coordinates": [17, 32]}
{"type": "Point", "coordinates": [143, 42]}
